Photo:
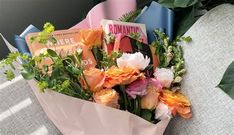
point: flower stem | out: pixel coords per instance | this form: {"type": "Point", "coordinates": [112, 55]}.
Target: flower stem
{"type": "Point", "coordinates": [122, 88]}
{"type": "Point", "coordinates": [87, 84]}
{"type": "Point", "coordinates": [138, 105]}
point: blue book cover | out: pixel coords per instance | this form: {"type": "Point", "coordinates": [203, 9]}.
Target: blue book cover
{"type": "Point", "coordinates": [157, 16]}
{"type": "Point", "coordinates": [20, 42]}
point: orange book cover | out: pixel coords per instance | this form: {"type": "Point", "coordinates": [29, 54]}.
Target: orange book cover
{"type": "Point", "coordinates": [68, 41]}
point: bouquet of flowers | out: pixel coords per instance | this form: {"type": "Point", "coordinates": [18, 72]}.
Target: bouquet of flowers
{"type": "Point", "coordinates": [113, 65]}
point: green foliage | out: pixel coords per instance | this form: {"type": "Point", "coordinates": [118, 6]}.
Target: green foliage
{"type": "Point", "coordinates": [146, 114]}
{"type": "Point", "coordinates": [187, 39]}
{"type": "Point", "coordinates": [98, 54]}
{"type": "Point", "coordinates": [44, 36]}
{"type": "Point", "coordinates": [109, 38]}
{"type": "Point", "coordinates": [42, 85]}
{"type": "Point", "coordinates": [130, 17]}
{"type": "Point", "coordinates": [61, 76]}
{"type": "Point", "coordinates": [209, 4]}
{"type": "Point", "coordinates": [170, 53]}
{"type": "Point", "coordinates": [136, 36]}
{"type": "Point", "coordinates": [137, 106]}
{"type": "Point", "coordinates": [227, 82]}
{"type": "Point", "coordinates": [185, 11]}
{"type": "Point", "coordinates": [9, 75]}
{"type": "Point", "coordinates": [28, 72]}
{"type": "Point", "coordinates": [109, 60]}
{"type": "Point", "coordinates": [177, 3]}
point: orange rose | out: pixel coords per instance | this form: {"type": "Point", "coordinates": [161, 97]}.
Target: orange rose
{"type": "Point", "coordinates": [91, 37]}
{"type": "Point", "coordinates": [95, 78]}
{"type": "Point", "coordinates": [177, 102]}
{"type": "Point", "coordinates": [123, 76]}
{"type": "Point", "coordinates": [108, 97]}
{"type": "Point", "coordinates": [150, 100]}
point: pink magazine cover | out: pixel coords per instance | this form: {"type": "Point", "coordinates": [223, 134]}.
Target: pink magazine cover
{"type": "Point", "coordinates": [124, 28]}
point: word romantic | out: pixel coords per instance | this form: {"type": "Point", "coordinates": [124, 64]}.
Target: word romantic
{"type": "Point", "coordinates": [124, 29]}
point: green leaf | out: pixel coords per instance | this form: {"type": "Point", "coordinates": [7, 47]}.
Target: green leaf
{"type": "Point", "coordinates": [52, 40]}
{"type": "Point", "coordinates": [42, 85]}
{"type": "Point", "coordinates": [55, 73]}
{"type": "Point", "coordinates": [130, 17]}
{"type": "Point", "coordinates": [44, 36]}
{"type": "Point", "coordinates": [52, 53]}
{"type": "Point", "coordinates": [227, 82]}
{"type": "Point", "coordinates": [186, 20]}
{"type": "Point", "coordinates": [28, 72]}
{"type": "Point", "coordinates": [177, 3]}
{"type": "Point", "coordinates": [187, 39]}
{"type": "Point", "coordinates": [9, 74]}
{"type": "Point", "coordinates": [146, 114]}
{"type": "Point", "coordinates": [98, 55]}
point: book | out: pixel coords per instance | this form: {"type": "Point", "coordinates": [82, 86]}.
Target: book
{"type": "Point", "coordinates": [124, 28]}
{"type": "Point", "coordinates": [156, 16]}
{"type": "Point", "coordinates": [20, 42]}
{"type": "Point", "coordinates": [69, 41]}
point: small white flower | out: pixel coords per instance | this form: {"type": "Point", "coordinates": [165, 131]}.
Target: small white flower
{"type": "Point", "coordinates": [164, 76]}
{"type": "Point", "coordinates": [135, 60]}
{"type": "Point", "coordinates": [43, 51]}
{"type": "Point", "coordinates": [79, 51]}
{"type": "Point", "coordinates": [162, 112]}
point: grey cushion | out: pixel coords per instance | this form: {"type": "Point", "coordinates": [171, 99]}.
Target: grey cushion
{"type": "Point", "coordinates": [20, 112]}
{"type": "Point", "coordinates": [207, 58]}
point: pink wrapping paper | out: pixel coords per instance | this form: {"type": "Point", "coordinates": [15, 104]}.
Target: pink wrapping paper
{"type": "Point", "coordinates": [110, 9]}
{"type": "Point", "coordinates": [74, 116]}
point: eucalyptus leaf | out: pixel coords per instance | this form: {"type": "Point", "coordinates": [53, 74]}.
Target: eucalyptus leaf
{"type": "Point", "coordinates": [227, 82]}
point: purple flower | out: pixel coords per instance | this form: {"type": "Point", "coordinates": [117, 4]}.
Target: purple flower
{"type": "Point", "coordinates": [137, 88]}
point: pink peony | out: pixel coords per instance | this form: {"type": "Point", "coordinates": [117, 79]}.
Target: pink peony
{"type": "Point", "coordinates": [137, 88]}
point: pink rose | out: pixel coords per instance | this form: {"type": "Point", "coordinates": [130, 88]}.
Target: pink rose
{"type": "Point", "coordinates": [162, 112]}
{"type": "Point", "coordinates": [164, 76]}
{"type": "Point", "coordinates": [150, 100]}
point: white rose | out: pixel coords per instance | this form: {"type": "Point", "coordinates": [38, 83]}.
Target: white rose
{"type": "Point", "coordinates": [135, 60]}
{"type": "Point", "coordinates": [164, 76]}
{"type": "Point", "coordinates": [162, 112]}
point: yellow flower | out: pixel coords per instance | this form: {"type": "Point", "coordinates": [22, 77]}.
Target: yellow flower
{"type": "Point", "coordinates": [125, 75]}
{"type": "Point", "coordinates": [95, 78]}
{"type": "Point", "coordinates": [177, 102]}
{"type": "Point", "coordinates": [108, 97]}
{"type": "Point", "coordinates": [150, 100]}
